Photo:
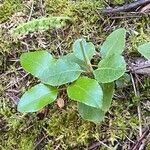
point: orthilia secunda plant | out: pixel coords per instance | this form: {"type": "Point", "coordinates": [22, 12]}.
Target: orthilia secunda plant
{"type": "Point", "coordinates": [91, 86]}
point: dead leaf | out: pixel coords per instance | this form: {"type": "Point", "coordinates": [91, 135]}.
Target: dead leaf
{"type": "Point", "coordinates": [60, 102]}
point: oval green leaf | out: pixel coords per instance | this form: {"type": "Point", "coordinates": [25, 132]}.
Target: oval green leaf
{"type": "Point", "coordinates": [37, 97]}
{"type": "Point", "coordinates": [114, 44]}
{"type": "Point", "coordinates": [88, 47]}
{"type": "Point", "coordinates": [89, 113]}
{"type": "Point", "coordinates": [145, 50]}
{"type": "Point", "coordinates": [61, 72]}
{"type": "Point", "coordinates": [48, 70]}
{"type": "Point", "coordinates": [110, 69]}
{"type": "Point", "coordinates": [108, 91]}
{"type": "Point", "coordinates": [87, 91]}
{"type": "Point", "coordinates": [36, 62]}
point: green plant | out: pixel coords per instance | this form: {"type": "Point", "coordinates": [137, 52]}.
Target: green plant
{"type": "Point", "coordinates": [145, 50]}
{"type": "Point", "coordinates": [40, 24]}
{"type": "Point", "coordinates": [92, 89]}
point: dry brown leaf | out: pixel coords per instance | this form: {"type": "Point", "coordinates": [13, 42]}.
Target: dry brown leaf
{"type": "Point", "coordinates": [60, 102]}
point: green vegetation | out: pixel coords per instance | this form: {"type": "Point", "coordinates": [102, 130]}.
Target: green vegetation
{"type": "Point", "coordinates": [62, 127]}
{"type": "Point", "coordinates": [93, 101]}
{"type": "Point", "coordinates": [40, 24]}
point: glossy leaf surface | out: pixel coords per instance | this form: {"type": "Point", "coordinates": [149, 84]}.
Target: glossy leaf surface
{"type": "Point", "coordinates": [114, 44]}
{"type": "Point", "coordinates": [145, 50]}
{"type": "Point", "coordinates": [61, 72]}
{"type": "Point", "coordinates": [88, 47]}
{"type": "Point", "coordinates": [87, 91]}
{"type": "Point", "coordinates": [36, 62]}
{"type": "Point", "coordinates": [37, 97]}
{"type": "Point", "coordinates": [48, 70]}
{"type": "Point", "coordinates": [110, 69]}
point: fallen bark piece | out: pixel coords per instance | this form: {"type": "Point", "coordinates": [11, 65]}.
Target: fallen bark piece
{"type": "Point", "coordinates": [140, 66]}
{"type": "Point", "coordinates": [143, 71]}
{"type": "Point", "coordinates": [126, 7]}
{"type": "Point", "coordinates": [145, 8]}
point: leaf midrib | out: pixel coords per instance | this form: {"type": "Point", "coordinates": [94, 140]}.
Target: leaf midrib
{"type": "Point", "coordinates": [108, 53]}
{"type": "Point", "coordinates": [87, 93]}
{"type": "Point", "coordinates": [107, 68]}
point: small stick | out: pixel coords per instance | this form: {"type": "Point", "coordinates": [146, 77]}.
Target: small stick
{"type": "Point", "coordinates": [31, 10]}
{"type": "Point", "coordinates": [97, 144]}
{"type": "Point", "coordinates": [42, 9]}
{"type": "Point", "coordinates": [142, 141]}
{"type": "Point", "coordinates": [139, 107]}
{"type": "Point", "coordinates": [44, 137]}
{"type": "Point", "coordinates": [126, 7]}
{"type": "Point", "coordinates": [10, 85]}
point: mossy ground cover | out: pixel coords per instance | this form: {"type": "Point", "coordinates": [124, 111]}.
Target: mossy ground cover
{"type": "Point", "coordinates": [62, 128]}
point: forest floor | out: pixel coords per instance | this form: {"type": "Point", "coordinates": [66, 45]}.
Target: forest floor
{"type": "Point", "coordinates": [63, 128]}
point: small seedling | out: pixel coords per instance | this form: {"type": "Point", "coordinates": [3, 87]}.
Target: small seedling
{"type": "Point", "coordinates": [91, 88]}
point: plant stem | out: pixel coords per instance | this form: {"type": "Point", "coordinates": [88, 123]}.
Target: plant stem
{"type": "Point", "coordinates": [87, 61]}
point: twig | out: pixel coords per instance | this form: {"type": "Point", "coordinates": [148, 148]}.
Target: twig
{"type": "Point", "coordinates": [146, 64]}
{"type": "Point", "coordinates": [14, 98]}
{"type": "Point", "coordinates": [10, 85]}
{"type": "Point", "coordinates": [31, 11]}
{"type": "Point", "coordinates": [140, 119]}
{"type": "Point", "coordinates": [97, 144]}
{"type": "Point", "coordinates": [139, 106]}
{"type": "Point", "coordinates": [140, 68]}
{"type": "Point", "coordinates": [126, 16]}
{"type": "Point", "coordinates": [142, 141]}
{"type": "Point", "coordinates": [40, 142]}
{"type": "Point", "coordinates": [129, 139]}
{"type": "Point", "coordinates": [42, 10]}
{"type": "Point", "coordinates": [126, 7]}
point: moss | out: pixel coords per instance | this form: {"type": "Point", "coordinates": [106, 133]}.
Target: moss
{"type": "Point", "coordinates": [139, 35]}
{"type": "Point", "coordinates": [8, 7]}
{"type": "Point", "coordinates": [84, 17]}
{"type": "Point", "coordinates": [120, 2]}
{"type": "Point", "coordinates": [64, 127]}
{"type": "Point", "coordinates": [65, 131]}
